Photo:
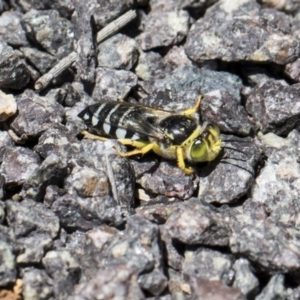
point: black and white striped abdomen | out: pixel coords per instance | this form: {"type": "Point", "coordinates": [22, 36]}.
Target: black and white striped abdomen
{"type": "Point", "coordinates": [112, 119]}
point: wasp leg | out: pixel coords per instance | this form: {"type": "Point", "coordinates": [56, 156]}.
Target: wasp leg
{"type": "Point", "coordinates": [195, 108]}
{"type": "Point", "coordinates": [181, 163]}
{"type": "Point", "coordinates": [143, 147]}
{"type": "Point", "coordinates": [87, 135]}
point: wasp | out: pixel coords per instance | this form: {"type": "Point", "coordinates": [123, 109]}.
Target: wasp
{"type": "Point", "coordinates": [174, 135]}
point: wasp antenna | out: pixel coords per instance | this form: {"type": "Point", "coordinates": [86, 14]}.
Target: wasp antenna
{"type": "Point", "coordinates": [233, 158]}
{"type": "Point", "coordinates": [246, 168]}
{"type": "Point", "coordinates": [234, 141]}
{"type": "Point", "coordinates": [234, 149]}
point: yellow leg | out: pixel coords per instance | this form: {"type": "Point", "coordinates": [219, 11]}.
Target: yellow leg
{"type": "Point", "coordinates": [87, 135]}
{"type": "Point", "coordinates": [195, 108]}
{"type": "Point", "coordinates": [144, 148]}
{"type": "Point", "coordinates": [136, 144]}
{"type": "Point", "coordinates": [181, 163]}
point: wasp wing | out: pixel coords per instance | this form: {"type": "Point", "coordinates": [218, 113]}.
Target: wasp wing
{"type": "Point", "coordinates": [131, 117]}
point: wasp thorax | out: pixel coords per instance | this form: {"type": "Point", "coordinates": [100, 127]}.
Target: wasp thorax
{"type": "Point", "coordinates": [178, 128]}
{"type": "Point", "coordinates": [207, 146]}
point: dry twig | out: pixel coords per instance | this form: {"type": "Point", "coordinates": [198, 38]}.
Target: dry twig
{"type": "Point", "coordinates": [67, 61]}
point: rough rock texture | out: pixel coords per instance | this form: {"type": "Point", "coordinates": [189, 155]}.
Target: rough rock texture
{"type": "Point", "coordinates": [149, 65]}
{"type": "Point", "coordinates": [275, 106]}
{"type": "Point", "coordinates": [118, 52]}
{"type": "Point", "coordinates": [206, 227]}
{"type": "Point", "coordinates": [78, 221]}
{"type": "Point", "coordinates": [175, 28]}
{"type": "Point", "coordinates": [113, 84]}
{"type": "Point", "coordinates": [232, 177]}
{"type": "Point", "coordinates": [36, 114]}
{"type": "Point", "coordinates": [13, 73]}
{"type": "Point", "coordinates": [84, 37]}
{"type": "Point", "coordinates": [17, 165]}
{"type": "Point", "coordinates": [11, 31]}
{"type": "Point", "coordinates": [29, 217]}
{"type": "Point", "coordinates": [52, 32]}
{"type": "Point", "coordinates": [107, 11]}
{"type": "Point", "coordinates": [37, 285]}
{"type": "Point", "coordinates": [8, 106]}
{"type": "Point", "coordinates": [41, 60]}
{"type": "Point", "coordinates": [234, 31]}
{"type": "Point", "coordinates": [120, 283]}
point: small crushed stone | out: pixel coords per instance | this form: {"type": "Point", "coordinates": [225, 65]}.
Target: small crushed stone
{"type": "Point", "coordinates": [78, 222]}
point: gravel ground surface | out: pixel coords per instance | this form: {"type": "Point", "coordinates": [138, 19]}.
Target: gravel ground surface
{"type": "Point", "coordinates": [78, 222]}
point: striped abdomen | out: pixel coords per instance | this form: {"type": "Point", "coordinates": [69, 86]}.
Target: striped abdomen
{"type": "Point", "coordinates": [114, 119]}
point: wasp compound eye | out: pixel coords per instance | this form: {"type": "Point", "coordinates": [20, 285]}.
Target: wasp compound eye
{"type": "Point", "coordinates": [199, 150]}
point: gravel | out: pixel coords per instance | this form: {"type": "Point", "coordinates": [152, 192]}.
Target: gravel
{"type": "Point", "coordinates": [79, 222]}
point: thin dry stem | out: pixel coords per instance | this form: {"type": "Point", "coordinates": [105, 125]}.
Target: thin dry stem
{"type": "Point", "coordinates": [67, 61]}
{"type": "Point", "coordinates": [62, 65]}
{"type": "Point", "coordinates": [115, 26]}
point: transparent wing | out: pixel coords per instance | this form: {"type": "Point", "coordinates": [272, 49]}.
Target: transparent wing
{"type": "Point", "coordinates": [132, 117]}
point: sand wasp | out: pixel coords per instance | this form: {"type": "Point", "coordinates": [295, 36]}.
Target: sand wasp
{"type": "Point", "coordinates": [170, 134]}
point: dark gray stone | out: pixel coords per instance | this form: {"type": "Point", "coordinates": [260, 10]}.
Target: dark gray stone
{"type": "Point", "coordinates": [170, 181]}
{"type": "Point", "coordinates": [213, 289]}
{"type": "Point", "coordinates": [42, 61]}
{"type": "Point", "coordinates": [72, 96]}
{"type": "Point", "coordinates": [192, 223]}
{"type": "Point", "coordinates": [276, 187]}
{"type": "Point", "coordinates": [37, 285]}
{"type": "Point", "coordinates": [230, 177]}
{"type": "Point", "coordinates": [82, 20]}
{"type": "Point", "coordinates": [117, 52]}
{"type": "Point", "coordinates": [138, 248]}
{"type": "Point", "coordinates": [244, 279]}
{"type": "Point", "coordinates": [28, 217]}
{"type": "Point", "coordinates": [208, 264]}
{"type": "Point", "coordinates": [186, 83]}
{"type": "Point", "coordinates": [242, 32]}
{"type": "Point", "coordinates": [120, 282]}
{"type": "Point", "coordinates": [11, 31]}
{"type": "Point", "coordinates": [65, 271]}
{"type": "Point", "coordinates": [149, 65]}
{"type": "Point", "coordinates": [175, 58]}
{"type": "Point", "coordinates": [8, 271]}
{"type": "Point", "coordinates": [164, 28]}
{"type": "Point", "coordinates": [107, 11]}
{"type": "Point", "coordinates": [223, 109]}
{"type": "Point", "coordinates": [36, 114]}
{"type": "Point", "coordinates": [112, 85]}
{"type": "Point", "coordinates": [275, 289]}
{"type": "Point", "coordinates": [18, 164]}
{"type": "Point", "coordinates": [58, 140]}
{"type": "Point", "coordinates": [34, 248]}
{"type": "Point", "coordinates": [13, 72]}
{"type": "Point", "coordinates": [53, 170]}
{"type": "Point", "coordinates": [274, 106]}
{"type": "Point", "coordinates": [86, 201]}
{"type": "Point", "coordinates": [292, 70]}
{"type": "Point", "coordinates": [2, 212]}
{"type": "Point", "coordinates": [64, 7]}
{"type": "Point", "coordinates": [183, 4]}
{"type": "Point", "coordinates": [52, 32]}
{"type": "Point", "coordinates": [174, 257]}
{"type": "Point", "coordinates": [259, 239]}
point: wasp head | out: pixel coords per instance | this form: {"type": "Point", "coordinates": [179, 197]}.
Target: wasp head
{"type": "Point", "coordinates": [207, 145]}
